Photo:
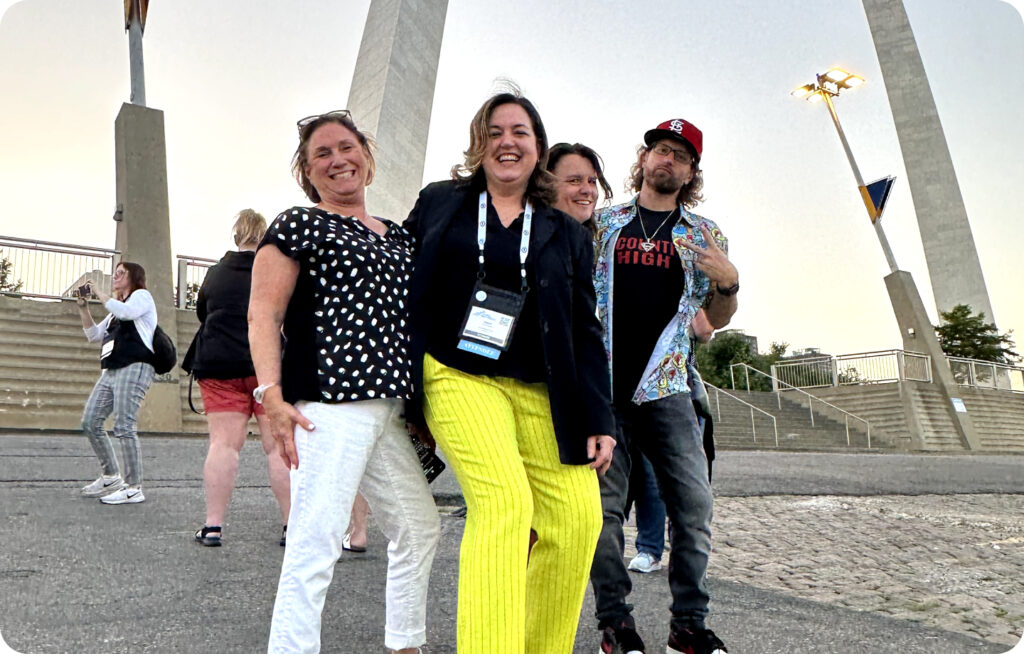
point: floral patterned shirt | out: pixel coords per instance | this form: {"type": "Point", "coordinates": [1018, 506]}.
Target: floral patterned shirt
{"type": "Point", "coordinates": [666, 372]}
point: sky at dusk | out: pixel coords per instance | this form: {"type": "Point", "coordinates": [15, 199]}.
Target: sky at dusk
{"type": "Point", "coordinates": [233, 76]}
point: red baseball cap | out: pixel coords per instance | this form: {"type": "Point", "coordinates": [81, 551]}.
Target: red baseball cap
{"type": "Point", "coordinates": [677, 129]}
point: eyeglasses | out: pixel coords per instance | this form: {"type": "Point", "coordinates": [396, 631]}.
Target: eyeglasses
{"type": "Point", "coordinates": [344, 114]}
{"type": "Point", "coordinates": [681, 156]}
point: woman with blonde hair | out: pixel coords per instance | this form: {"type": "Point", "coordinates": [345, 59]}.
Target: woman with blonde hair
{"type": "Point", "coordinates": [220, 360]}
{"type": "Point", "coordinates": [334, 278]}
{"type": "Point", "coordinates": [507, 352]}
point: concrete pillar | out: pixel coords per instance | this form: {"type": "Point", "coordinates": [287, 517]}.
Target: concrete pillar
{"type": "Point", "coordinates": [144, 237]}
{"type": "Point", "coordinates": [392, 95]}
{"type": "Point", "coordinates": [919, 336]}
{"type": "Point", "coordinates": [953, 264]}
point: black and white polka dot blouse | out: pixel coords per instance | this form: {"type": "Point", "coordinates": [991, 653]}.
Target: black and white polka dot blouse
{"type": "Point", "coordinates": [345, 332]}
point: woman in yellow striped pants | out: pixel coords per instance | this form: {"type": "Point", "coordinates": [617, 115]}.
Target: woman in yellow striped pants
{"type": "Point", "coordinates": [512, 381]}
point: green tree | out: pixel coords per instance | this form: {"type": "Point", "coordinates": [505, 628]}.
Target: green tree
{"type": "Point", "coordinates": [715, 358]}
{"type": "Point", "coordinates": [7, 282]}
{"type": "Point", "coordinates": [967, 335]}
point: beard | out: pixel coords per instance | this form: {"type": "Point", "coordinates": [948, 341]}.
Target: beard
{"type": "Point", "coordinates": [663, 182]}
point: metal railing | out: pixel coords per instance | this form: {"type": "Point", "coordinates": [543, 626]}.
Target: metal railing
{"type": "Point", "coordinates": [753, 428]}
{"type": "Point", "coordinates": [811, 399]}
{"type": "Point", "coordinates": [987, 374]}
{"type": "Point", "coordinates": [862, 368]}
{"type": "Point", "coordinates": [812, 372]}
{"type": "Point", "coordinates": [191, 271]}
{"type": "Point", "coordinates": [883, 366]}
{"type": "Point", "coordinates": [44, 269]}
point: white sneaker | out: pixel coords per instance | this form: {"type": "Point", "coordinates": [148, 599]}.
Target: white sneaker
{"type": "Point", "coordinates": [102, 486]}
{"type": "Point", "coordinates": [124, 495]}
{"type": "Point", "coordinates": [644, 563]}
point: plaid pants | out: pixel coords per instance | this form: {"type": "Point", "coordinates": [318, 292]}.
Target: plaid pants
{"type": "Point", "coordinates": [120, 392]}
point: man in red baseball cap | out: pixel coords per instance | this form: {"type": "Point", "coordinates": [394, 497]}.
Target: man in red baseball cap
{"type": "Point", "coordinates": [658, 265]}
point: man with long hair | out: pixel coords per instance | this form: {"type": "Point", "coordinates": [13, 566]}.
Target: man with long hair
{"type": "Point", "coordinates": [658, 265]}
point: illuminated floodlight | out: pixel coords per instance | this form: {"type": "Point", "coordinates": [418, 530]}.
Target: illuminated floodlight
{"type": "Point", "coordinates": [837, 75]}
{"type": "Point", "coordinates": [830, 82]}
{"type": "Point", "coordinates": [802, 91]}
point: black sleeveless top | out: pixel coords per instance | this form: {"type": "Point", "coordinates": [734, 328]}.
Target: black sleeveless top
{"type": "Point", "coordinates": [127, 348]}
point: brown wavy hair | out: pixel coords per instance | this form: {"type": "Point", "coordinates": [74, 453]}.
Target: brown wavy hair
{"type": "Point", "coordinates": [689, 194]}
{"type": "Point", "coordinates": [541, 186]}
{"type": "Point", "coordinates": [559, 150]}
{"type": "Point", "coordinates": [136, 276]}
{"type": "Point", "coordinates": [301, 157]}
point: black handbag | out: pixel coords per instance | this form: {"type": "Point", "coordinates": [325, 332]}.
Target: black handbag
{"type": "Point", "coordinates": [165, 355]}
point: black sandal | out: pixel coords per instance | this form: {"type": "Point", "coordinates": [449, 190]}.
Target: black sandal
{"type": "Point", "coordinates": [209, 536]}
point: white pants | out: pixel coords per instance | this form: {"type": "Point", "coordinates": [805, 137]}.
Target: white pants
{"type": "Point", "coordinates": [356, 446]}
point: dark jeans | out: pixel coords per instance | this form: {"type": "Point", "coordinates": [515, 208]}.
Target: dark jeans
{"type": "Point", "coordinates": [667, 433]}
{"type": "Point", "coordinates": [646, 500]}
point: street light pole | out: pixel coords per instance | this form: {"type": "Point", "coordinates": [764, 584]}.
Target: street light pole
{"type": "Point", "coordinates": [868, 204]}
{"type": "Point", "coordinates": [915, 327]}
{"type": "Point", "coordinates": [135, 11]}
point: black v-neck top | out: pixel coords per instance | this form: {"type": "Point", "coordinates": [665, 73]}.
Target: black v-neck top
{"type": "Point", "coordinates": [451, 288]}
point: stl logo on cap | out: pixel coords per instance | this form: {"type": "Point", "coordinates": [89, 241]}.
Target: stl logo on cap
{"type": "Point", "coordinates": [676, 126]}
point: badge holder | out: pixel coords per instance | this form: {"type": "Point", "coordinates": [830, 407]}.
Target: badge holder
{"type": "Point", "coordinates": [493, 312]}
{"type": "Point", "coordinates": [490, 320]}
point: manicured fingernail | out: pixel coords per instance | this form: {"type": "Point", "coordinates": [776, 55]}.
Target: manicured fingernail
{"type": "Point", "coordinates": [311, 427]}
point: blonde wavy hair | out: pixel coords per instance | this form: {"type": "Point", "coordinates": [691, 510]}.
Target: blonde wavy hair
{"type": "Point", "coordinates": [249, 228]}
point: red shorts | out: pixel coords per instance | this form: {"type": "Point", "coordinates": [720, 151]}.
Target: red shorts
{"type": "Point", "coordinates": [230, 396]}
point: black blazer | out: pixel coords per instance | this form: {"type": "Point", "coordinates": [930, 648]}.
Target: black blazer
{"type": "Point", "coordinates": [563, 257]}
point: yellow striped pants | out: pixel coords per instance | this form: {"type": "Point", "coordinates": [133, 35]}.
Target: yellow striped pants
{"type": "Point", "coordinates": [497, 434]}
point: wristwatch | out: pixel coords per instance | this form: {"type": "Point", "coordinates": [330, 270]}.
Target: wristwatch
{"type": "Point", "coordinates": [728, 290]}
{"type": "Point", "coordinates": [257, 393]}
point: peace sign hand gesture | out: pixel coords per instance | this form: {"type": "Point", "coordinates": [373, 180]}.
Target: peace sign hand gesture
{"type": "Point", "coordinates": [712, 261]}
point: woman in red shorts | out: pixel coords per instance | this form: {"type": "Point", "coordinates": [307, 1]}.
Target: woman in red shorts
{"type": "Point", "coordinates": [222, 364]}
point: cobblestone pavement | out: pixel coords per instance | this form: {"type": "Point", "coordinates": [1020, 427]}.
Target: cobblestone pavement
{"type": "Point", "coordinates": [954, 562]}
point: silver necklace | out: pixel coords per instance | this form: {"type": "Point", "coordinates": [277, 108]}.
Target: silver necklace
{"type": "Point", "coordinates": [647, 245]}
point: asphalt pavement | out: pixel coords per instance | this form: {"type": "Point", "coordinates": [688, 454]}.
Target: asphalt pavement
{"type": "Point", "coordinates": [78, 576]}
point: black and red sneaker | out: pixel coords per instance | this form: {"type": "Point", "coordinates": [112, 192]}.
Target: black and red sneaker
{"type": "Point", "coordinates": [623, 640]}
{"type": "Point", "coordinates": [694, 640]}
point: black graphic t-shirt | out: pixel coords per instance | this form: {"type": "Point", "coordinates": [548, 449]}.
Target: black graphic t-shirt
{"type": "Point", "coordinates": [345, 324]}
{"type": "Point", "coordinates": [649, 282]}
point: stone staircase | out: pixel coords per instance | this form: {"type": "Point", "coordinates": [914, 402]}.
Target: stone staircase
{"type": "Point", "coordinates": [998, 417]}
{"type": "Point", "coordinates": [47, 368]}
{"type": "Point", "coordinates": [793, 420]}
{"type": "Point", "coordinates": [879, 404]}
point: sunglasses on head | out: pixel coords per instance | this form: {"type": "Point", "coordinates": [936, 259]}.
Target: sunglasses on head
{"type": "Point", "coordinates": [344, 114]}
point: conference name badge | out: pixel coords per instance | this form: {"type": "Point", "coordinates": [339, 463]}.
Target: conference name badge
{"type": "Point", "coordinates": [107, 349]}
{"type": "Point", "coordinates": [490, 321]}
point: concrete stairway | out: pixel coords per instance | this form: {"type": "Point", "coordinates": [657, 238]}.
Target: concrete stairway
{"type": "Point", "coordinates": [47, 369]}
{"type": "Point", "coordinates": [998, 417]}
{"type": "Point", "coordinates": [879, 404]}
{"type": "Point", "coordinates": [793, 421]}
